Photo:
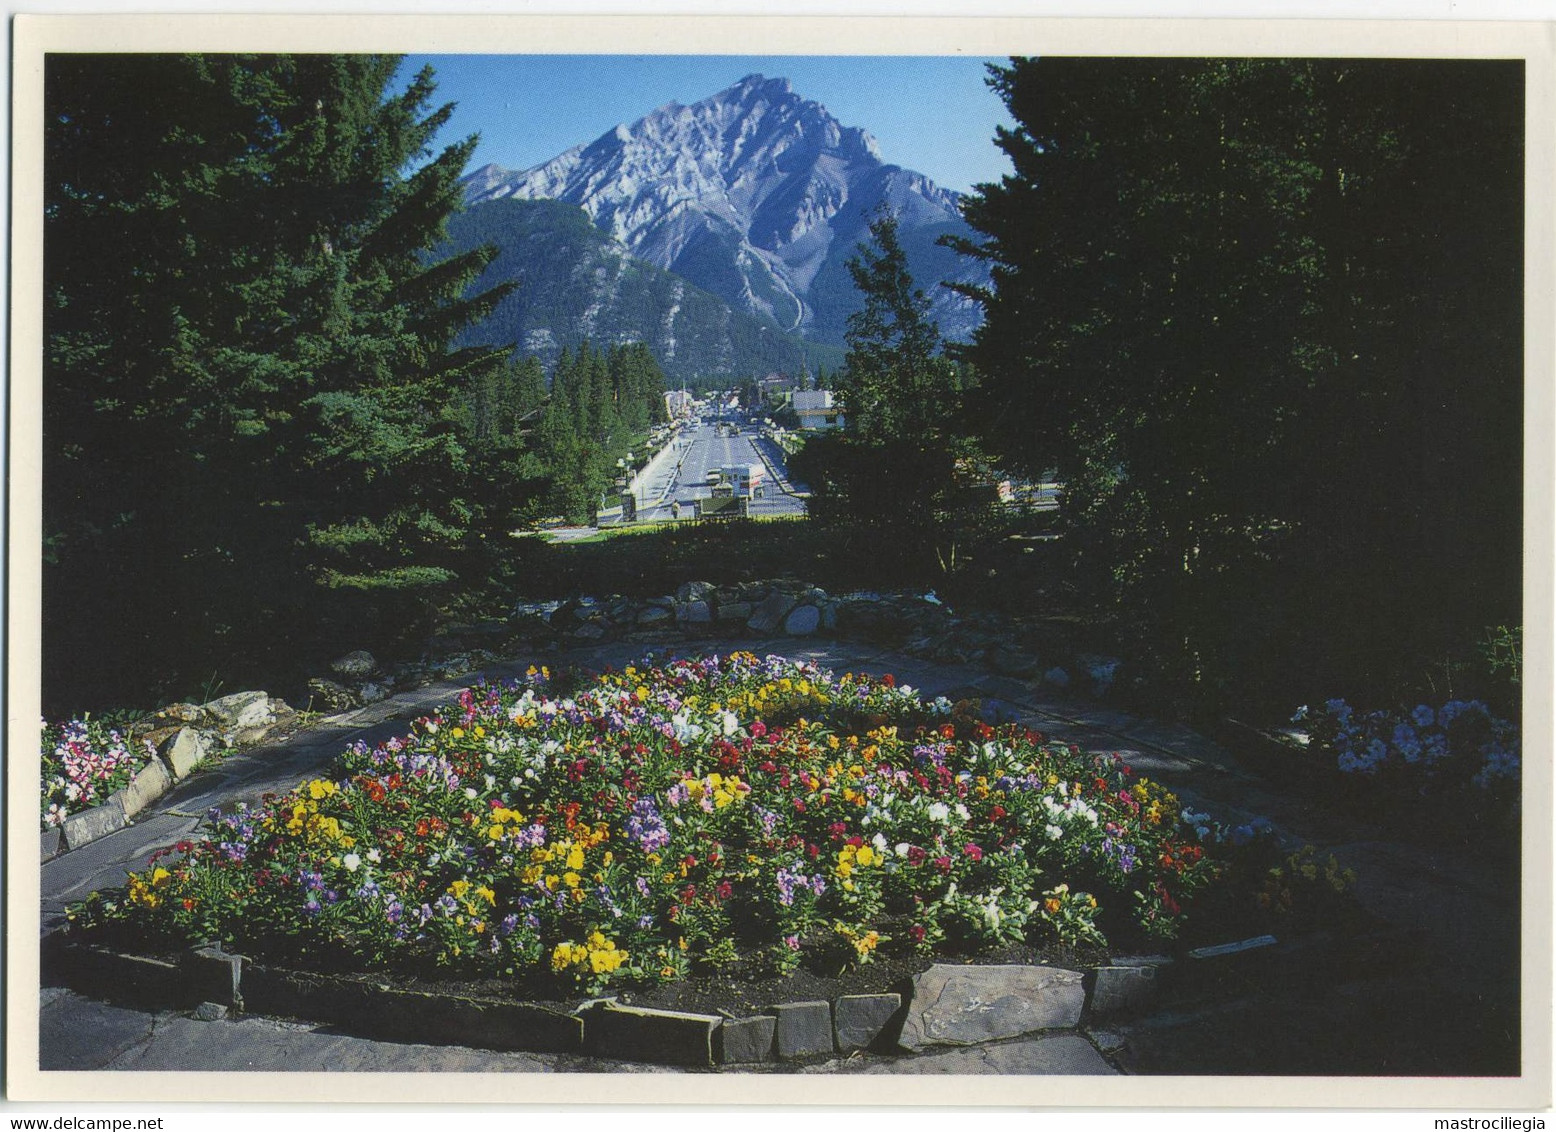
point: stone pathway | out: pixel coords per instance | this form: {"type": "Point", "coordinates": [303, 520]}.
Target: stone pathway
{"type": "Point", "coordinates": [1445, 1004]}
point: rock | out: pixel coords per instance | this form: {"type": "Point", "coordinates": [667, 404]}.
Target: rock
{"type": "Point", "coordinates": [668, 1037]}
{"type": "Point", "coordinates": [332, 697]}
{"type": "Point", "coordinates": [354, 665]}
{"type": "Point", "coordinates": [829, 615]}
{"type": "Point", "coordinates": [150, 782]}
{"type": "Point", "coordinates": [770, 614]}
{"type": "Point", "coordinates": [964, 1005]}
{"type": "Point", "coordinates": [695, 591]}
{"type": "Point", "coordinates": [1106, 1041]}
{"type": "Point", "coordinates": [186, 750]}
{"type": "Point", "coordinates": [210, 1012]}
{"type": "Point", "coordinates": [742, 1041]}
{"type": "Point", "coordinates": [239, 710]}
{"type": "Point", "coordinates": [1058, 677]}
{"type": "Point", "coordinates": [1120, 989]}
{"type": "Point", "coordinates": [213, 975]}
{"type": "Point", "coordinates": [1102, 670]}
{"type": "Point", "coordinates": [804, 1029]}
{"type": "Point", "coordinates": [654, 615]}
{"type": "Point", "coordinates": [181, 713]}
{"type": "Point", "coordinates": [735, 610]}
{"type": "Point", "coordinates": [589, 631]}
{"type": "Point", "coordinates": [802, 621]}
{"type": "Point", "coordinates": [99, 821]}
{"type": "Point", "coordinates": [858, 1020]}
{"type": "Point", "coordinates": [52, 845]}
{"type": "Point", "coordinates": [372, 692]}
{"type": "Point", "coordinates": [693, 611]}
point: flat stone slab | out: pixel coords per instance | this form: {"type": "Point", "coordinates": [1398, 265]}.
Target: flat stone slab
{"type": "Point", "coordinates": [858, 1020]}
{"type": "Point", "coordinates": [1053, 1055]}
{"type": "Point", "coordinates": [804, 1029]}
{"type": "Point", "coordinates": [956, 1005]}
{"type": "Point", "coordinates": [1122, 988]}
{"type": "Point", "coordinates": [631, 1033]}
{"type": "Point", "coordinates": [97, 822]}
{"type": "Point", "coordinates": [744, 1041]}
{"type": "Point", "coordinates": [151, 782]}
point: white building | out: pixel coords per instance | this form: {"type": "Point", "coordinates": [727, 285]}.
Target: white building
{"type": "Point", "coordinates": [816, 409]}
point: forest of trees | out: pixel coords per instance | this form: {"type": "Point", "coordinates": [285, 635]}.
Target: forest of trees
{"type": "Point", "coordinates": [260, 427]}
{"type": "Point", "coordinates": [1261, 318]}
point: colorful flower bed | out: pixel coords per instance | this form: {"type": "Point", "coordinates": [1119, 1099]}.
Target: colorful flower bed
{"type": "Point", "coordinates": [1460, 744]}
{"type": "Point", "coordinates": [84, 761]}
{"type": "Point", "coordinates": [665, 819]}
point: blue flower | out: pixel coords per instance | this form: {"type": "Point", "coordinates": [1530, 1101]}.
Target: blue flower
{"type": "Point", "coordinates": [1423, 716]}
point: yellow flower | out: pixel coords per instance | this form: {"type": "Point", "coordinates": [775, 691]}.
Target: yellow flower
{"type": "Point", "coordinates": [321, 788]}
{"type": "Point", "coordinates": [458, 733]}
{"type": "Point", "coordinates": [575, 857]}
{"type": "Point", "coordinates": [459, 888]}
{"type": "Point", "coordinates": [570, 879]}
{"type": "Point", "coordinates": [866, 855]}
{"type": "Point", "coordinates": [495, 833]}
{"type": "Point", "coordinates": [486, 894]}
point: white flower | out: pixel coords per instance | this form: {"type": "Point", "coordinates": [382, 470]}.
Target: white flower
{"type": "Point", "coordinates": [939, 811]}
{"type": "Point", "coordinates": [729, 723]}
{"type": "Point", "coordinates": [1053, 831]}
{"type": "Point", "coordinates": [962, 812]}
{"type": "Point", "coordinates": [879, 841]}
{"type": "Point", "coordinates": [352, 862]}
{"type": "Point", "coordinates": [902, 848]}
{"type": "Point", "coordinates": [472, 793]}
{"type": "Point", "coordinates": [374, 856]}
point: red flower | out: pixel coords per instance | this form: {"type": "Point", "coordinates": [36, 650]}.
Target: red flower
{"type": "Point", "coordinates": [917, 933]}
{"type": "Point", "coordinates": [758, 729]}
{"type": "Point", "coordinates": [916, 856]}
{"type": "Point", "coordinates": [889, 680]}
{"type": "Point", "coordinates": [725, 890]}
{"type": "Point", "coordinates": [943, 864]}
{"type": "Point", "coordinates": [973, 851]}
{"type": "Point", "coordinates": [183, 846]}
{"type": "Point", "coordinates": [996, 812]}
{"type": "Point", "coordinates": [799, 804]}
{"type": "Point", "coordinates": [856, 842]}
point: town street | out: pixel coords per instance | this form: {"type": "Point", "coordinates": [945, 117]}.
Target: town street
{"type": "Point", "coordinates": [701, 451]}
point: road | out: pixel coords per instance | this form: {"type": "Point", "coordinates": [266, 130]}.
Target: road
{"type": "Point", "coordinates": [701, 451]}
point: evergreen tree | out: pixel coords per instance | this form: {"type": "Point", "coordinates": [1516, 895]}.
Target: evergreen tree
{"type": "Point", "coordinates": [249, 372]}
{"type": "Point", "coordinates": [1260, 317]}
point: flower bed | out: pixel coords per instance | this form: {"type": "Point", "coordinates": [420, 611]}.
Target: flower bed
{"type": "Point", "coordinates": [84, 761]}
{"type": "Point", "coordinates": [648, 824]}
{"type": "Point", "coordinates": [1459, 746]}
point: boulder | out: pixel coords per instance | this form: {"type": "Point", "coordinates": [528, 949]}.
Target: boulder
{"type": "Point", "coordinates": [966, 1005]}
{"type": "Point", "coordinates": [374, 691]}
{"type": "Point", "coordinates": [695, 591]}
{"type": "Point", "coordinates": [769, 615]}
{"type": "Point", "coordinates": [1058, 677]}
{"type": "Point", "coordinates": [150, 782]}
{"type": "Point", "coordinates": [354, 665]}
{"type": "Point", "coordinates": [654, 615]}
{"type": "Point", "coordinates": [802, 621]}
{"type": "Point", "coordinates": [696, 612]}
{"type": "Point", "coordinates": [186, 750]}
{"type": "Point", "coordinates": [734, 611]}
{"type": "Point", "coordinates": [240, 711]}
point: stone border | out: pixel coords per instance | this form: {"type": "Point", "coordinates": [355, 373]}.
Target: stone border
{"type": "Point", "coordinates": [947, 1005]}
{"type": "Point", "coordinates": [186, 744]}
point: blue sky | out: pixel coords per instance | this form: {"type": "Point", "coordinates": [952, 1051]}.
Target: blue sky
{"type": "Point", "coordinates": [933, 114]}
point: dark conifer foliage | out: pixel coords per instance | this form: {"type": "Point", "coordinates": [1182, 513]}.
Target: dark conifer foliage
{"type": "Point", "coordinates": [1263, 320]}
{"type": "Point", "coordinates": [250, 383]}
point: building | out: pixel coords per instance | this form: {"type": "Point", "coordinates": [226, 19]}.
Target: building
{"type": "Point", "coordinates": [816, 409]}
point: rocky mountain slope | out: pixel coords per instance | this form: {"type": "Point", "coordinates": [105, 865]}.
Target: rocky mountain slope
{"type": "Point", "coordinates": [758, 196]}
{"type": "Point", "coordinates": [577, 282]}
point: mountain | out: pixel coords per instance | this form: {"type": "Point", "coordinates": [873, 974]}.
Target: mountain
{"type": "Point", "coordinates": [758, 196]}
{"type": "Point", "coordinates": [577, 282]}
